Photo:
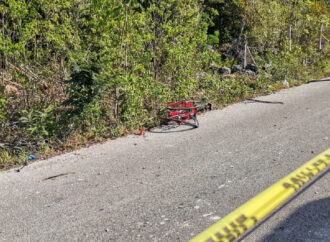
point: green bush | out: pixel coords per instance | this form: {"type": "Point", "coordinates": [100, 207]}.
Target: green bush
{"type": "Point", "coordinates": [86, 70]}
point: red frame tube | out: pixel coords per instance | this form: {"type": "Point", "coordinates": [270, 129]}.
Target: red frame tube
{"type": "Point", "coordinates": [183, 111]}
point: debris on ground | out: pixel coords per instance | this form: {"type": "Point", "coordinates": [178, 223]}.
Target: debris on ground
{"type": "Point", "coordinates": [62, 174]}
{"type": "Point", "coordinates": [32, 157]}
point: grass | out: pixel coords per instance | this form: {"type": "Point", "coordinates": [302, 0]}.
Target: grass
{"type": "Point", "coordinates": [233, 89]}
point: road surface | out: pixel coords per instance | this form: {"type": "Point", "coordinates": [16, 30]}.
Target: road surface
{"type": "Point", "coordinates": [171, 186]}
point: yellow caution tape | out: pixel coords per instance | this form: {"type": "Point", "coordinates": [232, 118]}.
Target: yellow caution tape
{"type": "Point", "coordinates": [325, 38]}
{"type": "Point", "coordinates": [246, 216]}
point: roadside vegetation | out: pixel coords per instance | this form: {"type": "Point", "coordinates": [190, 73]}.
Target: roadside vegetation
{"type": "Point", "coordinates": [80, 71]}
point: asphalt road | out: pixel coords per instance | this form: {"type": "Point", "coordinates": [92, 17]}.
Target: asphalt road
{"type": "Point", "coordinates": [170, 186]}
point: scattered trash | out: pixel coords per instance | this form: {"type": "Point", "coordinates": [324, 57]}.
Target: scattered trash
{"type": "Point", "coordinates": [140, 132]}
{"type": "Point", "coordinates": [207, 214]}
{"type": "Point", "coordinates": [24, 165]}
{"type": "Point", "coordinates": [53, 177]}
{"type": "Point", "coordinates": [31, 157]}
{"type": "Point", "coordinates": [221, 186]}
{"type": "Point", "coordinates": [215, 218]}
{"type": "Point", "coordinates": [286, 83]}
{"type": "Point", "coordinates": [231, 166]}
{"type": "Point", "coordinates": [185, 225]}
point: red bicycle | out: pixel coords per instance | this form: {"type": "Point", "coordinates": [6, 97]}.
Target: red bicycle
{"type": "Point", "coordinates": [181, 112]}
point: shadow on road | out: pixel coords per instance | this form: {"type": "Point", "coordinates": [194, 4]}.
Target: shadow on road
{"type": "Point", "coordinates": [260, 101]}
{"type": "Point", "coordinates": [287, 202]}
{"type": "Point", "coordinates": [165, 129]}
{"type": "Point", "coordinates": [323, 80]}
{"type": "Point", "coordinates": [310, 222]}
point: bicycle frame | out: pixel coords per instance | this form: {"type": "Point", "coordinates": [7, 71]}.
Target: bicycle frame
{"type": "Point", "coordinates": [182, 112]}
